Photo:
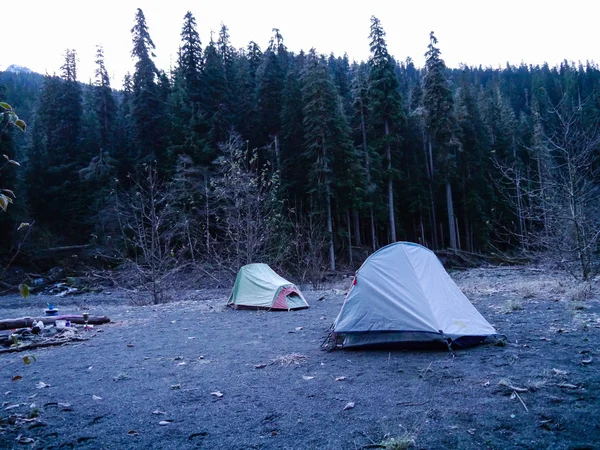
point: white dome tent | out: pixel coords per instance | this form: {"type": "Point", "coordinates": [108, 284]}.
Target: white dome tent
{"type": "Point", "coordinates": [403, 294]}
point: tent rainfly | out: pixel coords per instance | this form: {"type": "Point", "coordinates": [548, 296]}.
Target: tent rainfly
{"type": "Point", "coordinates": [257, 286]}
{"type": "Point", "coordinates": [402, 294]}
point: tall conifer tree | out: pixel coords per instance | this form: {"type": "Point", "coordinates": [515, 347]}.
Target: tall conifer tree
{"type": "Point", "coordinates": [441, 126]}
{"type": "Point", "coordinates": [386, 107]}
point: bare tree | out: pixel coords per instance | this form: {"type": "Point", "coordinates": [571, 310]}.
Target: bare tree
{"type": "Point", "coordinates": [558, 197]}
{"type": "Point", "coordinates": [149, 244]}
{"type": "Point", "coordinates": [190, 206]}
{"type": "Point", "coordinates": [247, 209]}
{"type": "Point", "coordinates": [307, 246]}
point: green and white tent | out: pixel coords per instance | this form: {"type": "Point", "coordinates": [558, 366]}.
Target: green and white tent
{"type": "Point", "coordinates": [402, 294]}
{"type": "Point", "coordinates": [257, 286]}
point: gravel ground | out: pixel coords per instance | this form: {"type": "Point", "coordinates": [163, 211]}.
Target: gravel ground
{"type": "Point", "coordinates": [214, 377]}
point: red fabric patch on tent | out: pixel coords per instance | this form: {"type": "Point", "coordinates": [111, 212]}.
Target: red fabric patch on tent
{"type": "Point", "coordinates": [280, 301]}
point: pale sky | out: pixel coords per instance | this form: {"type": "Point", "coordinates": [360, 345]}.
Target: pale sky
{"type": "Point", "coordinates": [37, 32]}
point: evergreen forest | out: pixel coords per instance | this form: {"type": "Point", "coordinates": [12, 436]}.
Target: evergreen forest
{"type": "Point", "coordinates": [308, 162]}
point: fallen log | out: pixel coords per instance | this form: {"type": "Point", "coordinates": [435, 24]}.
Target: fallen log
{"type": "Point", "coordinates": [24, 322]}
{"type": "Point", "coordinates": [65, 248]}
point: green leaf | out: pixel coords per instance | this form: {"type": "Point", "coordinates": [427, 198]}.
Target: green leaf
{"type": "Point", "coordinates": [6, 106]}
{"type": "Point", "coordinates": [3, 202]}
{"type": "Point", "coordinates": [21, 124]}
{"type": "Point", "coordinates": [23, 225]}
{"type": "Point", "coordinates": [24, 290]}
{"type": "Point", "coordinates": [28, 359]}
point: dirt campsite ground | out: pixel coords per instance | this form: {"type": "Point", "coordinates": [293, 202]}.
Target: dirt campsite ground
{"type": "Point", "coordinates": [193, 374]}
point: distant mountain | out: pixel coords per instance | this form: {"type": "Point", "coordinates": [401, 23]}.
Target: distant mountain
{"type": "Point", "coordinates": [15, 68]}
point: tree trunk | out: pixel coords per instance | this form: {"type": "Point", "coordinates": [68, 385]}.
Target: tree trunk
{"type": "Point", "coordinates": [368, 169]}
{"type": "Point", "coordinates": [349, 238]}
{"type": "Point", "coordinates": [467, 224]}
{"type": "Point", "coordinates": [388, 155]}
{"type": "Point", "coordinates": [542, 194]}
{"type": "Point", "coordinates": [357, 239]}
{"type": "Point", "coordinates": [428, 150]}
{"type": "Point", "coordinates": [277, 153]}
{"type": "Point", "coordinates": [206, 212]}
{"type": "Point", "coordinates": [459, 246]}
{"type": "Point", "coordinates": [27, 322]}
{"type": "Point", "coordinates": [434, 220]}
{"type": "Point", "coordinates": [520, 209]}
{"type": "Point", "coordinates": [330, 234]}
{"type": "Point", "coordinates": [430, 168]}
{"type": "Point", "coordinates": [468, 241]}
{"type": "Point", "coordinates": [451, 224]}
{"type": "Point", "coordinates": [328, 201]}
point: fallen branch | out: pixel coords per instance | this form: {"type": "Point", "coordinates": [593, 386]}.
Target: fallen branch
{"type": "Point", "coordinates": [505, 382]}
{"type": "Point", "coordinates": [411, 403]}
{"type": "Point", "coordinates": [211, 275]}
{"type": "Point", "coordinates": [52, 343]}
{"type": "Point", "coordinates": [65, 248]}
{"type": "Point", "coordinates": [521, 400]}
{"type": "Point", "coordinates": [27, 322]}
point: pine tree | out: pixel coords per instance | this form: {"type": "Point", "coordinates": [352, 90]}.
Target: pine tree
{"type": "Point", "coordinates": [473, 166]}
{"type": "Point", "coordinates": [126, 150]}
{"type": "Point", "coordinates": [56, 155]}
{"type": "Point", "coordinates": [270, 82]}
{"type": "Point", "coordinates": [245, 82]}
{"type": "Point", "coordinates": [360, 118]}
{"type": "Point", "coordinates": [104, 102]}
{"type": "Point", "coordinates": [70, 110]}
{"type": "Point", "coordinates": [215, 99]}
{"type": "Point", "coordinates": [441, 126]}
{"type": "Point", "coordinates": [191, 59]}
{"type": "Point", "coordinates": [294, 169]}
{"type": "Point", "coordinates": [187, 117]}
{"type": "Point", "coordinates": [226, 52]}
{"type": "Point", "coordinates": [43, 143]}
{"type": "Point", "coordinates": [147, 108]}
{"type": "Point", "coordinates": [386, 107]}
{"type": "Point", "coordinates": [326, 136]}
